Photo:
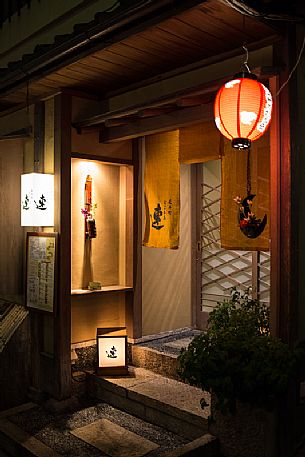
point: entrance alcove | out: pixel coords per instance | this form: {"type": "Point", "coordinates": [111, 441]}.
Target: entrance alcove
{"type": "Point", "coordinates": [181, 287]}
{"type": "Point", "coordinates": [108, 257]}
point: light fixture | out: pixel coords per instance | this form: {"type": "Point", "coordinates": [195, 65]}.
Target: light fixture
{"type": "Point", "coordinates": [37, 200]}
{"type": "Point", "coordinates": [112, 351]}
{"type": "Point", "coordinates": [242, 109]}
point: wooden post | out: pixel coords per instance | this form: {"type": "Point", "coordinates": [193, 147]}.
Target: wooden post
{"type": "Point", "coordinates": [288, 222]}
{"type": "Point", "coordinates": [62, 321]}
{"type": "Point", "coordinates": [133, 313]}
{"type": "Point", "coordinates": [199, 318]}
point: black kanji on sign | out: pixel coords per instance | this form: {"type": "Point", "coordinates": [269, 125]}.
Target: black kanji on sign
{"type": "Point", "coordinates": [112, 353]}
{"type": "Point", "coordinates": [156, 223]}
{"type": "Point", "coordinates": [41, 203]}
{"type": "Point", "coordinates": [26, 202]}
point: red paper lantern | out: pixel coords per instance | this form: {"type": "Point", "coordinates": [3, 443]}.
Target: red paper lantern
{"type": "Point", "coordinates": [242, 109]}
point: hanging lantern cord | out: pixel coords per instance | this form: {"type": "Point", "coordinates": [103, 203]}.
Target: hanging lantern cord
{"type": "Point", "coordinates": [248, 173]}
{"type": "Point", "coordinates": [245, 62]}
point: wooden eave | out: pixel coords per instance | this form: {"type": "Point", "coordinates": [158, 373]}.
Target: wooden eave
{"type": "Point", "coordinates": [203, 32]}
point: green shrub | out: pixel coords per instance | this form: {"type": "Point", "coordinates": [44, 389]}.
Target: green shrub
{"type": "Point", "coordinates": [237, 358]}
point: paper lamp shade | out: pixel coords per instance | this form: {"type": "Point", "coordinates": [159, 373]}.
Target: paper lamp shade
{"type": "Point", "coordinates": [243, 109]}
{"type": "Point", "coordinates": [37, 200]}
{"type": "Point", "coordinates": [112, 351]}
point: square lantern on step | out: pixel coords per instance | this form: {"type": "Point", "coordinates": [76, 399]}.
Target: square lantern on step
{"type": "Point", "coordinates": [37, 200]}
{"type": "Point", "coordinates": [112, 351]}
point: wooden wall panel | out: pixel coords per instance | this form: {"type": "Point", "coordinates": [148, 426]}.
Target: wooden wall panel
{"type": "Point", "coordinates": [95, 310]}
{"type": "Point", "coordinates": [11, 233]}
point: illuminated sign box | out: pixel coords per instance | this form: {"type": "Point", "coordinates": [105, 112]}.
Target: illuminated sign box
{"type": "Point", "coordinates": [112, 351]}
{"type": "Point", "coordinates": [37, 200]}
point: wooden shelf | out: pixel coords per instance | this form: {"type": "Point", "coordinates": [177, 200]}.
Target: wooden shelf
{"type": "Point", "coordinates": [104, 289]}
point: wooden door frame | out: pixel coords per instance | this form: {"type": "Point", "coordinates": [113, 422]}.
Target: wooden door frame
{"type": "Point", "coordinates": [199, 318]}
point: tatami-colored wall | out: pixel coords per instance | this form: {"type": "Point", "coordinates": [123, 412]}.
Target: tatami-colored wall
{"type": "Point", "coordinates": [95, 310]}
{"type": "Point", "coordinates": [166, 286]}
{"type": "Point", "coordinates": [96, 259]}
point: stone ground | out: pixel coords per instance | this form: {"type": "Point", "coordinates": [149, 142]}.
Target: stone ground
{"type": "Point", "coordinates": [75, 433]}
{"type": "Point", "coordinates": [172, 344]}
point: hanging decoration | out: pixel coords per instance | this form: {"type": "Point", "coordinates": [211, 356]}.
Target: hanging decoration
{"type": "Point", "coordinates": [89, 210]}
{"type": "Point", "coordinates": [249, 224]}
{"type": "Point", "coordinates": [243, 108]}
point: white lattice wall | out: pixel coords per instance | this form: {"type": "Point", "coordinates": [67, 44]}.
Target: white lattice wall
{"type": "Point", "coordinates": [223, 269]}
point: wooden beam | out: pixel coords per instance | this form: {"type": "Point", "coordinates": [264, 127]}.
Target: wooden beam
{"type": "Point", "coordinates": [106, 159]}
{"type": "Point", "coordinates": [205, 78]}
{"type": "Point", "coordinates": [116, 122]}
{"type": "Point", "coordinates": [158, 124]}
{"type": "Point", "coordinates": [192, 101]}
{"type": "Point", "coordinates": [151, 112]}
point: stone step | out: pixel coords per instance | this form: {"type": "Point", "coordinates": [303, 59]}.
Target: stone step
{"type": "Point", "coordinates": [160, 354]}
{"type": "Point", "coordinates": [161, 363]}
{"type": "Point", "coordinates": [156, 399]}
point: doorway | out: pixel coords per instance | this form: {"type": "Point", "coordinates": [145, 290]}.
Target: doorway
{"type": "Point", "coordinates": [221, 269]}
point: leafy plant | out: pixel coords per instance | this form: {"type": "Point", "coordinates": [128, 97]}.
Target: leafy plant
{"type": "Point", "coordinates": [237, 358]}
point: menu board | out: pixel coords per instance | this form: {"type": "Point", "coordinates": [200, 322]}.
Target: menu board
{"type": "Point", "coordinates": [40, 276]}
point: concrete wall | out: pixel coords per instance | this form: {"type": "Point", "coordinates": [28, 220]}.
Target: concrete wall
{"type": "Point", "coordinates": [166, 286]}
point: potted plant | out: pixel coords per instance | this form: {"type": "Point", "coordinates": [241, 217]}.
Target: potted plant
{"type": "Point", "coordinates": [246, 370]}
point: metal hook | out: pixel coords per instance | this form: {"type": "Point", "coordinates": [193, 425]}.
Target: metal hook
{"type": "Point", "coordinates": [245, 63]}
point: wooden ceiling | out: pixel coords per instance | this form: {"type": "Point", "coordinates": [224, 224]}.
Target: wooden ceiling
{"type": "Point", "coordinates": [204, 31]}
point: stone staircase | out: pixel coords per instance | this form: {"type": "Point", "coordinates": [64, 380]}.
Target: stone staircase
{"type": "Point", "coordinates": [150, 404]}
{"type": "Point", "coordinates": [153, 392]}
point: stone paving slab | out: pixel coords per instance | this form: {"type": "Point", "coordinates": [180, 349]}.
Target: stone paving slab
{"type": "Point", "coordinates": [52, 434]}
{"type": "Point", "coordinates": [136, 376]}
{"type": "Point", "coordinates": [114, 440]}
{"type": "Point", "coordinates": [156, 399]}
{"type": "Point", "coordinates": [168, 391]}
{"type": "Point", "coordinates": [163, 344]}
{"type": "Point", "coordinates": [179, 344]}
{"type": "Point", "coordinates": [173, 393]}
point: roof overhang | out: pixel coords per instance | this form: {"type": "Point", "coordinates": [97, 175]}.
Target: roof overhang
{"type": "Point", "coordinates": [151, 46]}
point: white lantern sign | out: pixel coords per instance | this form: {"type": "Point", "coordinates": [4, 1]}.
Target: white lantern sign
{"type": "Point", "coordinates": [112, 351]}
{"type": "Point", "coordinates": [37, 200]}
